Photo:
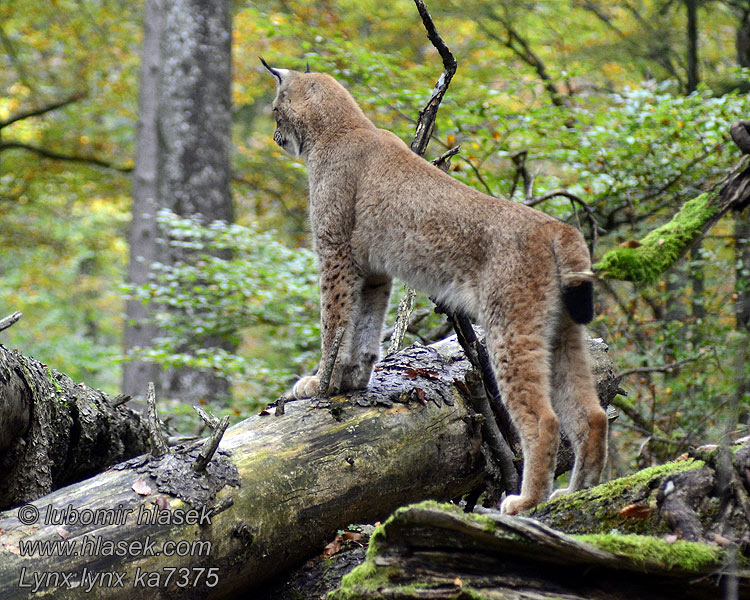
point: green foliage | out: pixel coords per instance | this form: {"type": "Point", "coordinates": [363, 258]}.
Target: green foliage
{"type": "Point", "coordinates": [626, 141]}
{"type": "Point", "coordinates": [239, 285]}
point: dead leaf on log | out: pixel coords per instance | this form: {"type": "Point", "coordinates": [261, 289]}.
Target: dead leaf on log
{"type": "Point", "coordinates": [414, 372]}
{"type": "Point", "coordinates": [333, 547]}
{"type": "Point", "coordinates": [353, 536]}
{"type": "Point", "coordinates": [62, 532]}
{"type": "Point", "coordinates": [141, 488]}
{"type": "Point", "coordinates": [457, 582]}
{"type": "Point", "coordinates": [269, 410]}
{"type": "Point", "coordinates": [161, 502]}
{"type": "Point", "coordinates": [420, 395]}
{"type": "Point", "coordinates": [636, 511]}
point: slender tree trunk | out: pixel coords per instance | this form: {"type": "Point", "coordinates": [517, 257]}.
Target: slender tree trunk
{"type": "Point", "coordinates": [692, 48]}
{"type": "Point", "coordinates": [742, 40]}
{"type": "Point", "coordinates": [143, 230]}
{"type": "Point", "coordinates": [742, 311]}
{"type": "Point", "coordinates": [183, 159]}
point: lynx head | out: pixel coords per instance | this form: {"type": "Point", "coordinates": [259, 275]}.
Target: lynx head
{"type": "Point", "coordinates": [310, 106]}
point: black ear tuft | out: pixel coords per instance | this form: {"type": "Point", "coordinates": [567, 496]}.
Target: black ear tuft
{"type": "Point", "coordinates": [579, 302]}
{"type": "Point", "coordinates": [273, 71]}
{"type": "Point", "coordinates": [308, 67]}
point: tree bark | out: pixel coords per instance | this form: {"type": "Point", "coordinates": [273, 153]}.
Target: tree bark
{"type": "Point", "coordinates": [54, 432]}
{"type": "Point", "coordinates": [183, 161]}
{"type": "Point", "coordinates": [143, 234]}
{"type": "Point", "coordinates": [275, 493]}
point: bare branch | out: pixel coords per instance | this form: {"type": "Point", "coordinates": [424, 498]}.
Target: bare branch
{"type": "Point", "coordinates": [517, 44]}
{"type": "Point", "coordinates": [428, 114]}
{"type": "Point", "coordinates": [667, 368]}
{"type": "Point", "coordinates": [10, 320]}
{"type": "Point", "coordinates": [35, 112]}
{"type": "Point", "coordinates": [87, 160]}
{"type": "Point", "coordinates": [443, 162]}
{"type": "Point", "coordinates": [325, 376]}
{"type": "Point", "coordinates": [211, 444]}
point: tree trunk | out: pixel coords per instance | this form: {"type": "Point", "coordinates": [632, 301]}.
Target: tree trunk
{"type": "Point", "coordinates": [54, 432]}
{"type": "Point", "coordinates": [183, 161]}
{"type": "Point", "coordinates": [692, 45]}
{"type": "Point", "coordinates": [276, 492]}
{"type": "Point", "coordinates": [742, 314]}
{"type": "Point", "coordinates": [142, 238]}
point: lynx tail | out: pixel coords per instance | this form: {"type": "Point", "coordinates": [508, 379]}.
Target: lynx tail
{"type": "Point", "coordinates": [578, 296]}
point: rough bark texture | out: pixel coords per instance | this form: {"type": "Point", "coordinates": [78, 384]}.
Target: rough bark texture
{"type": "Point", "coordinates": [142, 238]}
{"type": "Point", "coordinates": [185, 133]}
{"type": "Point", "coordinates": [54, 432]}
{"type": "Point", "coordinates": [279, 488]}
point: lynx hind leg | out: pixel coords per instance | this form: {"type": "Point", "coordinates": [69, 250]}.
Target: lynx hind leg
{"type": "Point", "coordinates": [364, 350]}
{"type": "Point", "coordinates": [520, 359]}
{"type": "Point", "coordinates": [575, 401]}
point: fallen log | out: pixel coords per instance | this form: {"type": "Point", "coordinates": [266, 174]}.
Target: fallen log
{"type": "Point", "coordinates": [54, 432]}
{"type": "Point", "coordinates": [437, 552]}
{"type": "Point", "coordinates": [275, 492]}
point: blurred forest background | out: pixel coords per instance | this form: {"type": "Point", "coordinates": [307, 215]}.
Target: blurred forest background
{"type": "Point", "coordinates": [623, 104]}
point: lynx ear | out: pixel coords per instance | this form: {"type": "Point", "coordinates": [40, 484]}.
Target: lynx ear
{"type": "Point", "coordinates": [277, 73]}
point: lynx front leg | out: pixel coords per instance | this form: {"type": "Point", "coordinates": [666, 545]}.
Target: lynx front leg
{"type": "Point", "coordinates": [340, 288]}
{"type": "Point", "coordinates": [365, 347]}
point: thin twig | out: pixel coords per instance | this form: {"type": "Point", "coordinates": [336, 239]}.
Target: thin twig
{"type": "Point", "coordinates": [207, 418]}
{"type": "Point", "coordinates": [120, 399]}
{"type": "Point", "coordinates": [51, 154]}
{"type": "Point", "coordinates": [325, 376]}
{"type": "Point", "coordinates": [159, 445]}
{"type": "Point", "coordinates": [10, 320]}
{"type": "Point", "coordinates": [667, 368]}
{"type": "Point", "coordinates": [443, 162]}
{"type": "Point", "coordinates": [35, 112]}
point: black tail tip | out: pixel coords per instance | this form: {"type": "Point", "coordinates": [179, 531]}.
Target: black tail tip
{"type": "Point", "coordinates": [579, 302]}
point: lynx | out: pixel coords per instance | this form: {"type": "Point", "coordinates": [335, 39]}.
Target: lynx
{"type": "Point", "coordinates": [379, 211]}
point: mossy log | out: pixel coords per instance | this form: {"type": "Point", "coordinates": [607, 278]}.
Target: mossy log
{"type": "Point", "coordinates": [274, 494]}
{"type": "Point", "coordinates": [666, 532]}
{"type": "Point", "coordinates": [645, 260]}
{"type": "Point", "coordinates": [54, 431]}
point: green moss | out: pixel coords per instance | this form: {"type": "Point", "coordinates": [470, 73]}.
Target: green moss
{"type": "Point", "coordinates": [661, 248]}
{"type": "Point", "coordinates": [597, 509]}
{"type": "Point", "coordinates": [645, 550]}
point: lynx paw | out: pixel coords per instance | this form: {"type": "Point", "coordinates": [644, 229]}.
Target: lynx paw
{"type": "Point", "coordinates": [514, 504]}
{"type": "Point", "coordinates": [560, 492]}
{"type": "Point", "coordinates": [307, 387]}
